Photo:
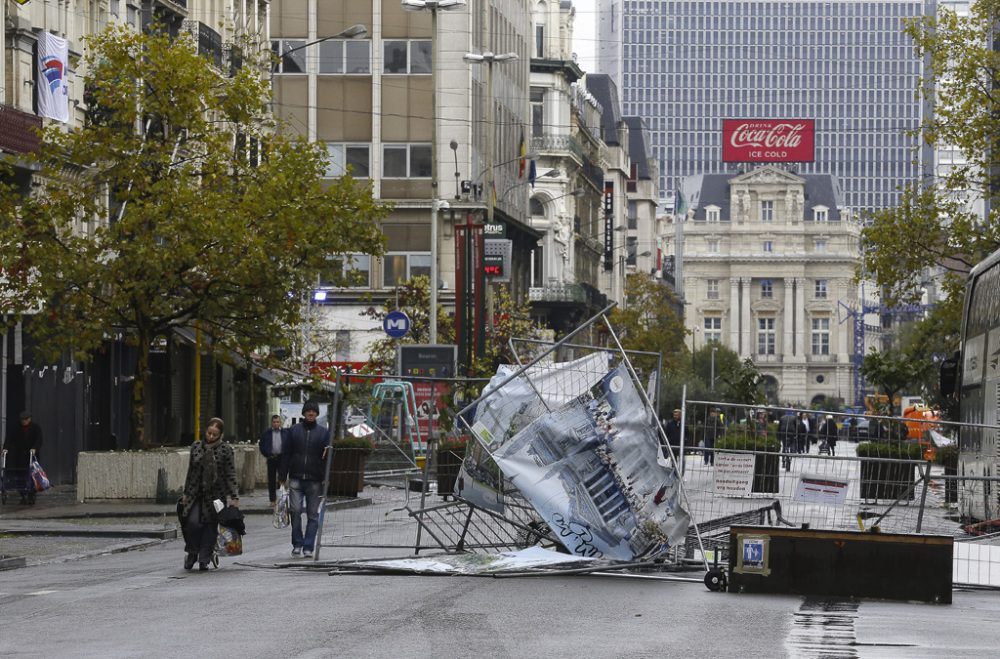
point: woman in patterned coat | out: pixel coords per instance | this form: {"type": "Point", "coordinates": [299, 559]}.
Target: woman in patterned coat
{"type": "Point", "coordinates": [211, 476]}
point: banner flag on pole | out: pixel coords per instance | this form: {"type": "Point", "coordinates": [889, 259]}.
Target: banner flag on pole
{"type": "Point", "coordinates": [53, 93]}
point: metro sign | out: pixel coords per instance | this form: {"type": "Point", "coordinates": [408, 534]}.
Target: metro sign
{"type": "Point", "coordinates": [768, 140]}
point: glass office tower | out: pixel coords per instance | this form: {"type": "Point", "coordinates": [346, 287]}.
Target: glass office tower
{"type": "Point", "coordinates": [686, 65]}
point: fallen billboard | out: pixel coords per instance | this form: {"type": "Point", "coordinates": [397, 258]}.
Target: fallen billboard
{"type": "Point", "coordinates": [592, 470]}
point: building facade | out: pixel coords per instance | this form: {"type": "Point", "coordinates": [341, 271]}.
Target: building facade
{"type": "Point", "coordinates": [686, 65]}
{"type": "Point", "coordinates": [769, 265]}
{"type": "Point", "coordinates": [400, 106]}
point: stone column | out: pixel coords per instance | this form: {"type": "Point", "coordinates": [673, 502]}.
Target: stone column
{"type": "Point", "coordinates": [734, 313]}
{"type": "Point", "coordinates": [800, 316]}
{"type": "Point", "coordinates": [747, 332]}
{"type": "Point", "coordinates": [787, 323]}
{"type": "Point", "coordinates": [843, 329]}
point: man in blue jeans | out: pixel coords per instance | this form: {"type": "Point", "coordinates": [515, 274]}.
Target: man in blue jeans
{"type": "Point", "coordinates": [303, 464]}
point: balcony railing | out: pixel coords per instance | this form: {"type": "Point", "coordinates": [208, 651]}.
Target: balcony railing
{"type": "Point", "coordinates": [567, 143]}
{"type": "Point", "coordinates": [761, 358]}
{"type": "Point", "coordinates": [558, 293]}
{"type": "Point", "coordinates": [19, 130]}
{"type": "Point", "coordinates": [822, 359]}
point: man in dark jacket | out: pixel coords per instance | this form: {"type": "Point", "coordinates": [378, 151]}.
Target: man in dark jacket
{"type": "Point", "coordinates": [271, 443]}
{"type": "Point", "coordinates": [20, 444]}
{"type": "Point", "coordinates": [713, 429]}
{"type": "Point", "coordinates": [303, 464]}
{"type": "Point", "coordinates": [672, 429]}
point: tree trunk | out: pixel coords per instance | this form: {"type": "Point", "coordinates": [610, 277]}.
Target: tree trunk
{"type": "Point", "coordinates": [251, 424]}
{"type": "Point", "coordinates": [138, 435]}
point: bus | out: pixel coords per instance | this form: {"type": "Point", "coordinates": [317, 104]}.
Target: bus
{"type": "Point", "coordinates": [974, 376]}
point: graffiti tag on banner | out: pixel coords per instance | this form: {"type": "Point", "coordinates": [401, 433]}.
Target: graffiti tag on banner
{"type": "Point", "coordinates": [733, 474]}
{"type": "Point", "coordinates": [821, 489]}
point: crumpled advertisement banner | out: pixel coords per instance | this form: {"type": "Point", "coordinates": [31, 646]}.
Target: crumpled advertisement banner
{"type": "Point", "coordinates": [516, 404]}
{"type": "Point", "coordinates": [592, 470]}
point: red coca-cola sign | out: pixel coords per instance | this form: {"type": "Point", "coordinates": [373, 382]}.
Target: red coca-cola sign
{"type": "Point", "coordinates": [768, 140]}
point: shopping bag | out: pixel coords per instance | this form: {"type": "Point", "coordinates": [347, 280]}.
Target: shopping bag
{"type": "Point", "coordinates": [229, 542]}
{"type": "Point", "coordinates": [282, 518]}
{"type": "Point", "coordinates": [38, 477]}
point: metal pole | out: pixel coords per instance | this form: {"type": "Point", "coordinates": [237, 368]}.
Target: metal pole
{"type": "Point", "coordinates": [684, 393]}
{"type": "Point", "coordinates": [712, 385]}
{"type": "Point", "coordinates": [432, 322]}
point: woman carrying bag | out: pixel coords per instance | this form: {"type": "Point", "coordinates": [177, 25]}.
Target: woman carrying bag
{"type": "Point", "coordinates": [210, 486]}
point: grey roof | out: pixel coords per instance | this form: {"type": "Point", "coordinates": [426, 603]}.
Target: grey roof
{"type": "Point", "coordinates": [604, 90]}
{"type": "Point", "coordinates": [639, 150]}
{"type": "Point", "coordinates": [713, 189]}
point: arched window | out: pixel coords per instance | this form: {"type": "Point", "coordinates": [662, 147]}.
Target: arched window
{"type": "Point", "coordinates": [536, 207]}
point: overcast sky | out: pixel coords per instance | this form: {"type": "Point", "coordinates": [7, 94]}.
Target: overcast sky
{"type": "Point", "coordinates": [585, 33]}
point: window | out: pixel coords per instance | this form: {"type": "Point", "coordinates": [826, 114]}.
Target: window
{"type": "Point", "coordinates": [820, 289]}
{"type": "Point", "coordinates": [406, 161]}
{"type": "Point", "coordinates": [349, 56]}
{"type": "Point", "coordinates": [766, 289]}
{"type": "Point", "coordinates": [768, 246]}
{"type": "Point", "coordinates": [537, 111]}
{"type": "Point", "coordinates": [819, 246]}
{"type": "Point", "coordinates": [290, 54]}
{"type": "Point", "coordinates": [711, 213]}
{"type": "Point", "coordinates": [340, 157]}
{"type": "Point", "coordinates": [398, 267]}
{"type": "Point", "coordinates": [713, 329]}
{"type": "Point", "coordinates": [765, 336]}
{"type": "Point", "coordinates": [540, 41]}
{"type": "Point", "coordinates": [407, 56]}
{"type": "Point", "coordinates": [821, 336]}
{"type": "Point", "coordinates": [820, 214]}
{"type": "Point", "coordinates": [713, 245]}
{"type": "Point", "coordinates": [713, 289]}
{"type": "Point", "coordinates": [352, 271]}
{"type": "Point", "coordinates": [767, 211]}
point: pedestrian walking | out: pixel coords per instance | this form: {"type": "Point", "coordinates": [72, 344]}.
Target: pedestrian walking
{"type": "Point", "coordinates": [713, 428]}
{"type": "Point", "coordinates": [802, 434]}
{"type": "Point", "coordinates": [672, 429]}
{"type": "Point", "coordinates": [788, 433]}
{"type": "Point", "coordinates": [303, 465]}
{"type": "Point", "coordinates": [210, 486]}
{"type": "Point", "coordinates": [828, 434]}
{"type": "Point", "coordinates": [271, 443]}
{"type": "Point", "coordinates": [23, 444]}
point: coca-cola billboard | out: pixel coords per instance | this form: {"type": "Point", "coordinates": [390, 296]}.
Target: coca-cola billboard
{"type": "Point", "coordinates": [768, 140]}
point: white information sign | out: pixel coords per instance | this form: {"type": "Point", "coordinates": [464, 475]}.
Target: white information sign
{"type": "Point", "coordinates": [733, 474]}
{"type": "Point", "coordinates": [821, 489]}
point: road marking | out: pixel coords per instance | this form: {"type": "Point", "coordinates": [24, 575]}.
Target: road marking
{"type": "Point", "coordinates": [43, 592]}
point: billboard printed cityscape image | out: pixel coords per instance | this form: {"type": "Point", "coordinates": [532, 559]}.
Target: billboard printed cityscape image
{"type": "Point", "coordinates": [592, 470]}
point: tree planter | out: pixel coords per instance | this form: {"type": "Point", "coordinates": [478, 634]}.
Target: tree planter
{"type": "Point", "coordinates": [886, 480]}
{"type": "Point", "coordinates": [347, 473]}
{"type": "Point", "coordinates": [765, 473]}
{"type": "Point", "coordinates": [449, 463]}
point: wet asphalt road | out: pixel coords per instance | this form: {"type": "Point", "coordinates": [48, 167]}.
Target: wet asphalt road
{"type": "Point", "coordinates": [142, 603]}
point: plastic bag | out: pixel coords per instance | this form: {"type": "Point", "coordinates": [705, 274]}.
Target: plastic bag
{"type": "Point", "coordinates": [38, 477]}
{"type": "Point", "coordinates": [282, 518]}
{"type": "Point", "coordinates": [228, 542]}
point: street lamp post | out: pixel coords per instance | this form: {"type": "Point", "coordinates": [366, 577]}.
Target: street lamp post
{"type": "Point", "coordinates": [433, 6]}
{"type": "Point", "coordinates": [489, 58]}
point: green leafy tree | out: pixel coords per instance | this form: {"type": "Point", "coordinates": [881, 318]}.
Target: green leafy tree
{"type": "Point", "coordinates": [935, 224]}
{"type": "Point", "coordinates": [154, 215]}
{"type": "Point", "coordinates": [649, 322]}
{"type": "Point", "coordinates": [892, 372]}
{"type": "Point", "coordinates": [926, 343]}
